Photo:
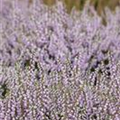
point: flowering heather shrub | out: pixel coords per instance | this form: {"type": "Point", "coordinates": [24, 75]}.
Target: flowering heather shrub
{"type": "Point", "coordinates": [58, 66]}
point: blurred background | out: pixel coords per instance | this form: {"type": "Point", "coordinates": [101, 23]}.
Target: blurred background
{"type": "Point", "coordinates": [79, 4]}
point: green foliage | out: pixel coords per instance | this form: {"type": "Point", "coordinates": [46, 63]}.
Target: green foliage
{"type": "Point", "coordinates": [3, 91]}
{"type": "Point", "coordinates": [79, 4]}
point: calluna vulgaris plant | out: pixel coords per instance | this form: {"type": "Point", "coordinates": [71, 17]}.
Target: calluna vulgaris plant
{"type": "Point", "coordinates": [58, 66]}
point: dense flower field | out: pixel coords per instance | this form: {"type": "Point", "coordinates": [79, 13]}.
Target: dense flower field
{"type": "Point", "coordinates": [58, 66]}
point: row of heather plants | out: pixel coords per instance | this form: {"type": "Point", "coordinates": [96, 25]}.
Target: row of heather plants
{"type": "Point", "coordinates": [58, 66]}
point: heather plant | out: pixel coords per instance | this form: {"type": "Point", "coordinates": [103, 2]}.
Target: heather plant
{"type": "Point", "coordinates": [58, 66]}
